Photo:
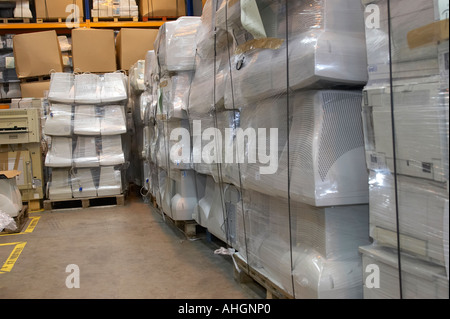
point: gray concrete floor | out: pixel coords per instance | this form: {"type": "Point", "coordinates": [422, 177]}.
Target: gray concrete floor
{"type": "Point", "coordinates": [122, 252]}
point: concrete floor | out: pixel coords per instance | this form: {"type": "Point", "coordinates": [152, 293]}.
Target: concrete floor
{"type": "Point", "coordinates": [122, 252]}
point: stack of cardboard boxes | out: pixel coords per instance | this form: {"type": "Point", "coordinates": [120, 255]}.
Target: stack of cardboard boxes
{"type": "Point", "coordinates": [37, 55]}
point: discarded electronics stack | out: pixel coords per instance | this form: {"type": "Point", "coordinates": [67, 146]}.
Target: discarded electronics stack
{"type": "Point", "coordinates": [406, 126]}
{"type": "Point", "coordinates": [297, 72]}
{"type": "Point", "coordinates": [86, 122]}
{"type": "Point", "coordinates": [170, 84]}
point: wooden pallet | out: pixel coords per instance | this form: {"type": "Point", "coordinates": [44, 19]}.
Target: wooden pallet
{"type": "Point", "coordinates": [43, 20]}
{"type": "Point", "coordinates": [247, 273]}
{"type": "Point", "coordinates": [35, 79]}
{"type": "Point", "coordinates": [160, 18]}
{"type": "Point", "coordinates": [15, 20]}
{"type": "Point", "coordinates": [187, 227]}
{"type": "Point", "coordinates": [70, 203]}
{"type": "Point", "coordinates": [114, 19]}
{"type": "Point", "coordinates": [20, 220]}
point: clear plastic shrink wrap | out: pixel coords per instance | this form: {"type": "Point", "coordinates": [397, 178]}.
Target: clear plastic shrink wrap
{"type": "Point", "coordinates": [175, 44]}
{"type": "Point", "coordinates": [85, 133]}
{"type": "Point", "coordinates": [111, 151]}
{"type": "Point", "coordinates": [110, 181]}
{"type": "Point", "coordinates": [151, 71]}
{"type": "Point", "coordinates": [59, 120]}
{"type": "Point", "coordinates": [216, 210]}
{"type": "Point", "coordinates": [422, 207]}
{"type": "Point", "coordinates": [325, 242]}
{"type": "Point", "coordinates": [326, 49]}
{"type": "Point", "coordinates": [212, 137]}
{"type": "Point", "coordinates": [407, 62]}
{"type": "Point", "coordinates": [406, 129]}
{"type": "Point", "coordinates": [326, 158]}
{"type": "Point", "coordinates": [86, 152]}
{"type": "Point", "coordinates": [83, 183]}
{"type": "Point", "coordinates": [59, 185]}
{"type": "Point", "coordinates": [59, 152]}
{"type": "Point", "coordinates": [117, 8]}
{"type": "Point", "coordinates": [175, 95]}
{"type": "Point", "coordinates": [421, 124]}
{"type": "Point", "coordinates": [420, 279]}
{"type": "Point", "coordinates": [104, 88]}
{"type": "Point", "coordinates": [86, 121]}
{"type": "Point", "coordinates": [62, 88]}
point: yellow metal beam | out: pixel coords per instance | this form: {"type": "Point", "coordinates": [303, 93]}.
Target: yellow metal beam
{"type": "Point", "coordinates": [62, 25]}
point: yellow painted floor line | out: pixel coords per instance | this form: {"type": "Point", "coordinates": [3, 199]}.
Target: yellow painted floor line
{"type": "Point", "coordinates": [29, 229]}
{"type": "Point", "coordinates": [9, 263]}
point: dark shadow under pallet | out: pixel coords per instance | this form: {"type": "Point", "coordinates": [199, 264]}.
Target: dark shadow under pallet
{"type": "Point", "coordinates": [115, 200]}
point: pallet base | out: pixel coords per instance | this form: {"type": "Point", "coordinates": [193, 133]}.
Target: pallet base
{"type": "Point", "coordinates": [71, 203]}
{"type": "Point", "coordinates": [247, 273]}
{"type": "Point", "coordinates": [187, 227]}
{"type": "Point", "coordinates": [42, 20]}
{"type": "Point", "coordinates": [15, 20]}
{"type": "Point", "coordinates": [114, 19]}
{"type": "Point", "coordinates": [20, 220]}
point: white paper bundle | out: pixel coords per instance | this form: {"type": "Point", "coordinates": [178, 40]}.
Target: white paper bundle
{"type": "Point", "coordinates": [86, 120]}
{"type": "Point", "coordinates": [59, 186]}
{"type": "Point", "coordinates": [59, 120]}
{"type": "Point", "coordinates": [113, 87]}
{"type": "Point", "coordinates": [113, 120]}
{"type": "Point", "coordinates": [111, 152]}
{"type": "Point", "coordinates": [83, 183]}
{"type": "Point", "coordinates": [85, 154]}
{"type": "Point", "coordinates": [87, 89]}
{"type": "Point", "coordinates": [62, 88]}
{"type": "Point", "coordinates": [110, 181]}
{"type": "Point", "coordinates": [60, 152]}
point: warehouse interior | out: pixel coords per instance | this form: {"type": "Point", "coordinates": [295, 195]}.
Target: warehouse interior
{"type": "Point", "coordinates": [224, 149]}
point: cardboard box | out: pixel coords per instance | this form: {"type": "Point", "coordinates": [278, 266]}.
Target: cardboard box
{"type": "Point", "coordinates": [132, 45]}
{"type": "Point", "coordinates": [37, 54]}
{"type": "Point", "coordinates": [35, 89]}
{"type": "Point", "coordinates": [54, 9]}
{"type": "Point", "coordinates": [93, 51]}
{"type": "Point", "coordinates": [162, 8]}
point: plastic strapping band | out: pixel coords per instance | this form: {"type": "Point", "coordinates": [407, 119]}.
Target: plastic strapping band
{"type": "Point", "coordinates": [289, 147]}
{"type": "Point", "coordinates": [394, 153]}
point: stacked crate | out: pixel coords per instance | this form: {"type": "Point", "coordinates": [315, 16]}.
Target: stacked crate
{"type": "Point", "coordinates": [406, 126]}
{"type": "Point", "coordinates": [86, 122]}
